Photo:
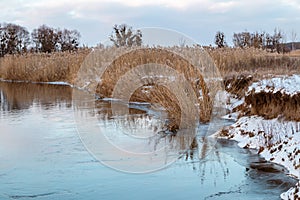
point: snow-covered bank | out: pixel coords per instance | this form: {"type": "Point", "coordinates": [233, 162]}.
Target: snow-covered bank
{"type": "Point", "coordinates": [289, 85]}
{"type": "Point", "coordinates": [271, 98]}
{"type": "Point", "coordinates": [271, 124]}
{"type": "Point", "coordinates": [292, 194]}
{"type": "Point", "coordinates": [276, 140]}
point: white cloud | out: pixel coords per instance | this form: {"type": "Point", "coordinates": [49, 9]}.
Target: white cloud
{"type": "Point", "coordinates": [177, 4]}
{"type": "Point", "coordinates": [222, 7]}
{"type": "Point", "coordinates": [292, 3]}
{"type": "Point", "coordinates": [197, 18]}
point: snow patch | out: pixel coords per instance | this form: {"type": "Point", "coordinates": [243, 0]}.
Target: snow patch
{"type": "Point", "coordinates": [289, 85]}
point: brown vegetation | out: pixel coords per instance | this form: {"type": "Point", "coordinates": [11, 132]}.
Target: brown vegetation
{"type": "Point", "coordinates": [256, 62]}
{"type": "Point", "coordinates": [295, 53]}
{"type": "Point", "coordinates": [232, 62]}
{"type": "Point", "coordinates": [158, 94]}
{"type": "Point", "coordinates": [237, 84]}
{"type": "Point", "coordinates": [273, 105]}
{"type": "Point", "coordinates": [42, 67]}
{"type": "Point", "coordinates": [62, 66]}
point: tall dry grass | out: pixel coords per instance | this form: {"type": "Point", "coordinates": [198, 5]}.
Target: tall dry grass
{"type": "Point", "coordinates": [257, 62]}
{"type": "Point", "coordinates": [124, 64]}
{"type": "Point", "coordinates": [64, 66]}
{"type": "Point", "coordinates": [42, 67]}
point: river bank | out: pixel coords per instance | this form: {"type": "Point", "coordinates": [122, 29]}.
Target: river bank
{"type": "Point", "coordinates": [268, 121]}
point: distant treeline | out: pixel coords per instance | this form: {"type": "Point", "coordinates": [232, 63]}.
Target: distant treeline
{"type": "Point", "coordinates": [16, 39]}
{"type": "Point", "coordinates": [260, 40]}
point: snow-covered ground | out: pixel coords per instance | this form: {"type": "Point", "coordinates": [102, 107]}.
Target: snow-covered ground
{"type": "Point", "coordinates": [276, 140]}
{"type": "Point", "coordinates": [289, 85]}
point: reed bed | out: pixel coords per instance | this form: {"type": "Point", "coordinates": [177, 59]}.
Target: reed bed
{"type": "Point", "coordinates": [42, 67]}
{"type": "Point", "coordinates": [65, 66]}
{"type": "Point", "coordinates": [257, 62]}
{"type": "Point", "coordinates": [158, 94]}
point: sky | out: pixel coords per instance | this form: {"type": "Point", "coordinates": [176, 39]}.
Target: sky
{"type": "Point", "coordinates": [198, 19]}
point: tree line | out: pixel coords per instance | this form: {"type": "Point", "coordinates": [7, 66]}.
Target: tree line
{"type": "Point", "coordinates": [124, 35]}
{"type": "Point", "coordinates": [16, 39]}
{"type": "Point", "coordinates": [261, 40]}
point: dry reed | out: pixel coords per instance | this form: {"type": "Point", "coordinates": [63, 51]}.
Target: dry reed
{"type": "Point", "coordinates": [65, 66]}
{"type": "Point", "coordinates": [257, 62]}
{"type": "Point", "coordinates": [42, 67]}
{"type": "Point", "coordinates": [159, 95]}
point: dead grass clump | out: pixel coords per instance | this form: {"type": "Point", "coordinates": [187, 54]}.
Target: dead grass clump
{"type": "Point", "coordinates": [237, 84]}
{"type": "Point", "coordinates": [161, 96]}
{"type": "Point", "coordinates": [130, 60]}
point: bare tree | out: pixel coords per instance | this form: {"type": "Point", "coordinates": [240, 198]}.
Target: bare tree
{"type": "Point", "coordinates": [277, 40]}
{"type": "Point", "coordinates": [13, 39]}
{"type": "Point", "coordinates": [123, 35]}
{"type": "Point", "coordinates": [257, 40]}
{"type": "Point", "coordinates": [262, 40]}
{"type": "Point", "coordinates": [68, 40]}
{"type": "Point", "coordinates": [242, 40]}
{"type": "Point", "coordinates": [220, 39]}
{"type": "Point", "coordinates": [293, 38]}
{"type": "Point", "coordinates": [268, 39]}
{"type": "Point", "coordinates": [45, 39]}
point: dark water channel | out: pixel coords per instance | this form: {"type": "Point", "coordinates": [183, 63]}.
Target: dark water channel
{"type": "Point", "coordinates": [42, 157]}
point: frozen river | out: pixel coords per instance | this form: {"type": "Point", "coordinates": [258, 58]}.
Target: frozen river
{"type": "Point", "coordinates": [42, 157]}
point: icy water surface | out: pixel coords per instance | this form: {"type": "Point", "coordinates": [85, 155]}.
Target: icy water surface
{"type": "Point", "coordinates": [42, 157]}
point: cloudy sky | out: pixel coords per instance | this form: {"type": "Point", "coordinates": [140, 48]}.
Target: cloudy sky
{"type": "Point", "coordinates": [199, 19]}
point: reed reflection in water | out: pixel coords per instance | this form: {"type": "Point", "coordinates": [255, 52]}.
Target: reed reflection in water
{"type": "Point", "coordinates": [141, 130]}
{"type": "Point", "coordinates": [20, 96]}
